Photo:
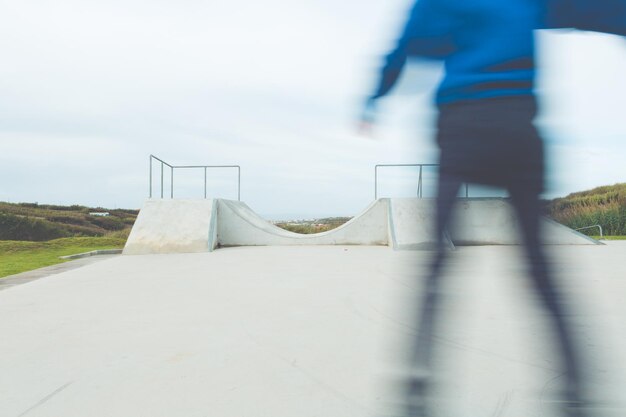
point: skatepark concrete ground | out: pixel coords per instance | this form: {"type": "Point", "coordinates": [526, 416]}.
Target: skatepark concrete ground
{"type": "Point", "coordinates": [301, 331]}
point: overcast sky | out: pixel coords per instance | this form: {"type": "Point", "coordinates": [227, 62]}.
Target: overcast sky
{"type": "Point", "coordinates": [89, 89]}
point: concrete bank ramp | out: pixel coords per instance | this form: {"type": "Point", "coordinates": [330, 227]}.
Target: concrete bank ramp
{"type": "Point", "coordinates": [492, 221]}
{"type": "Point", "coordinates": [179, 226]}
{"type": "Point", "coordinates": [411, 222]}
{"type": "Point", "coordinates": [173, 226]}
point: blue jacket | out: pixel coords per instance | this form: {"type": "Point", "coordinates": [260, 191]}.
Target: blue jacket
{"type": "Point", "coordinates": [608, 16]}
{"type": "Point", "coordinates": [488, 46]}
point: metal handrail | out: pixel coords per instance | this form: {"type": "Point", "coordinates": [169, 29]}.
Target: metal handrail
{"type": "Point", "coordinates": [591, 227]}
{"type": "Point", "coordinates": [205, 167]}
{"type": "Point", "coordinates": [419, 180]}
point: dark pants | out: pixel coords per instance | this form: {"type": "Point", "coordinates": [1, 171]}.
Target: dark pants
{"type": "Point", "coordinates": [491, 142]}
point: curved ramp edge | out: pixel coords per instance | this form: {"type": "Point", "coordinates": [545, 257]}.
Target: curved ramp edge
{"type": "Point", "coordinates": [238, 225]}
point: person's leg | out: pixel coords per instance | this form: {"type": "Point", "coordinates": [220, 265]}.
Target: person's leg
{"type": "Point", "coordinates": [528, 210]}
{"type": "Point", "coordinates": [421, 353]}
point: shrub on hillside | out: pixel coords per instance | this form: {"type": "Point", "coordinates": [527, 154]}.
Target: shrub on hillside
{"type": "Point", "coordinates": [129, 221]}
{"type": "Point", "coordinates": [108, 222]}
{"type": "Point", "coordinates": [78, 220]}
{"type": "Point", "coordinates": [25, 228]}
{"type": "Point", "coordinates": [605, 206]}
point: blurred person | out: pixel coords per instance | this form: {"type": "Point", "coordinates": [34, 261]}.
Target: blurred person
{"type": "Point", "coordinates": [485, 134]}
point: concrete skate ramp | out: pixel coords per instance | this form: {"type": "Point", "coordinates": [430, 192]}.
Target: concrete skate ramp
{"type": "Point", "coordinates": [179, 226]}
{"type": "Point", "coordinates": [476, 221]}
{"type": "Point", "coordinates": [412, 224]}
{"type": "Point", "coordinates": [238, 225]}
{"type": "Point", "coordinates": [173, 226]}
{"type": "Point", "coordinates": [492, 221]}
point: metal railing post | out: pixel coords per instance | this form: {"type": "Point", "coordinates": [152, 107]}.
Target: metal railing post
{"type": "Point", "coordinates": [174, 167]}
{"type": "Point", "coordinates": [420, 182]}
{"type": "Point", "coordinates": [150, 175]}
{"type": "Point", "coordinates": [376, 182]}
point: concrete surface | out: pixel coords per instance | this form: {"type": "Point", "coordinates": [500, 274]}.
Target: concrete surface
{"type": "Point", "coordinates": [184, 226]}
{"type": "Point", "coordinates": [307, 331]}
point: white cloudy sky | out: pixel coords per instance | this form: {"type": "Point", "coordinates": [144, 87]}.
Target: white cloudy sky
{"type": "Point", "coordinates": [88, 89]}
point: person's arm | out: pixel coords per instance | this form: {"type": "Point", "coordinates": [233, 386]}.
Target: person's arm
{"type": "Point", "coordinates": [427, 33]}
{"type": "Point", "coordinates": [392, 68]}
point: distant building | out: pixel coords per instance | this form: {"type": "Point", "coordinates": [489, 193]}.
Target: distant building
{"type": "Point", "coordinates": [100, 214]}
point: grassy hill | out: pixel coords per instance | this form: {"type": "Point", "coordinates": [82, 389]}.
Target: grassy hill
{"type": "Point", "coordinates": [605, 206]}
{"type": "Point", "coordinates": [313, 226]}
{"type": "Point", "coordinates": [42, 222]}
{"type": "Point", "coordinates": [35, 235]}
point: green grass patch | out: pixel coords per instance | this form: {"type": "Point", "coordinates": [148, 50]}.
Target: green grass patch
{"type": "Point", "coordinates": [21, 256]}
{"type": "Point", "coordinates": [610, 237]}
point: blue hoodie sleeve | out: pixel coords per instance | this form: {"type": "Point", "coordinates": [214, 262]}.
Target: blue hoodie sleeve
{"type": "Point", "coordinates": [427, 34]}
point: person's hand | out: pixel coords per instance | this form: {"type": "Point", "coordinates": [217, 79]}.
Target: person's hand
{"type": "Point", "coordinates": [367, 121]}
{"type": "Point", "coordinates": [365, 128]}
